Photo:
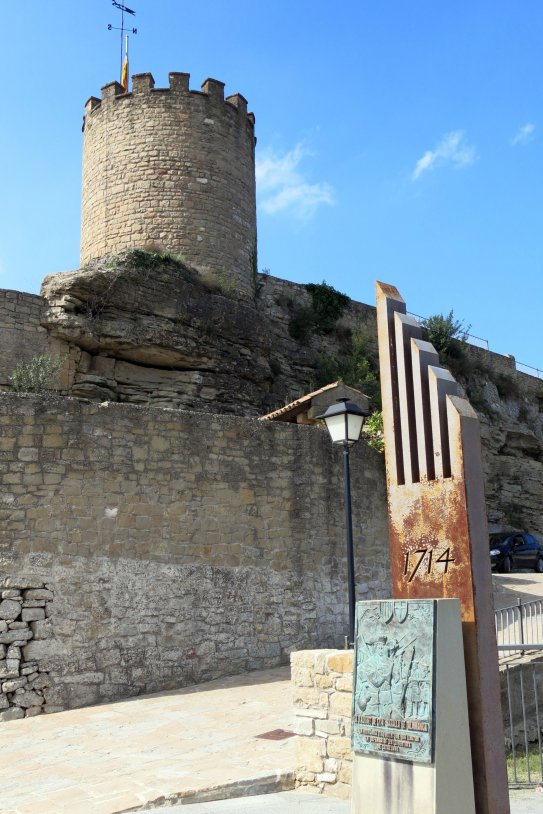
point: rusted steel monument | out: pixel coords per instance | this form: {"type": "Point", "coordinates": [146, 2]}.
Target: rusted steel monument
{"type": "Point", "coordinates": [437, 519]}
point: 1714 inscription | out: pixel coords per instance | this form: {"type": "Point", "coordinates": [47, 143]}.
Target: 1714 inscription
{"type": "Point", "coordinates": [394, 686]}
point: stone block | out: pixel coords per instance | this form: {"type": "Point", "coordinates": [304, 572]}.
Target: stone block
{"type": "Point", "coordinates": [39, 593]}
{"type": "Point", "coordinates": [302, 676]}
{"type": "Point", "coordinates": [41, 681]}
{"type": "Point", "coordinates": [327, 727]}
{"type": "Point", "coordinates": [19, 637]}
{"type": "Point", "coordinates": [12, 714]}
{"type": "Point", "coordinates": [326, 777]}
{"type": "Point", "coordinates": [340, 662]}
{"type": "Point", "coordinates": [42, 629]}
{"type": "Point", "coordinates": [310, 754]}
{"type": "Point", "coordinates": [9, 609]}
{"type": "Point", "coordinates": [31, 712]}
{"type": "Point", "coordinates": [13, 684]}
{"type": "Point", "coordinates": [303, 658]}
{"type": "Point", "coordinates": [339, 748]}
{"type": "Point", "coordinates": [345, 772]}
{"type": "Point", "coordinates": [341, 704]}
{"type": "Point", "coordinates": [9, 671]}
{"type": "Point", "coordinates": [4, 703]}
{"type": "Point", "coordinates": [343, 684]}
{"type": "Point", "coordinates": [302, 778]}
{"type": "Point", "coordinates": [32, 614]}
{"type": "Point", "coordinates": [11, 593]}
{"type": "Point", "coordinates": [306, 697]}
{"type": "Point", "coordinates": [324, 682]}
{"type": "Point", "coordinates": [27, 698]}
{"type": "Point", "coordinates": [313, 712]}
{"type": "Point", "coordinates": [303, 726]}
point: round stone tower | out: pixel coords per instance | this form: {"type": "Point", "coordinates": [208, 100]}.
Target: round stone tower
{"type": "Point", "coordinates": [171, 168]}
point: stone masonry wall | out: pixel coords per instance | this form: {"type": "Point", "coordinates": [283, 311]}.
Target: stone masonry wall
{"type": "Point", "coordinates": [322, 686]}
{"type": "Point", "coordinates": [179, 546]}
{"type": "Point", "coordinates": [173, 168]}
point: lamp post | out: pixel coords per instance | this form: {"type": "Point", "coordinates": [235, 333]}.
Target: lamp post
{"type": "Point", "coordinates": [344, 422]}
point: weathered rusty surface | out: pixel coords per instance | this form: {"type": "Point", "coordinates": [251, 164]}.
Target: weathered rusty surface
{"type": "Point", "coordinates": [437, 520]}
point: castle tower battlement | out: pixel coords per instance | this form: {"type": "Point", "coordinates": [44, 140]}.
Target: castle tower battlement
{"type": "Point", "coordinates": [174, 168]}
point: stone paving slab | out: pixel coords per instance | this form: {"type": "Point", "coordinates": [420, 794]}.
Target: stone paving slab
{"type": "Point", "coordinates": [161, 747]}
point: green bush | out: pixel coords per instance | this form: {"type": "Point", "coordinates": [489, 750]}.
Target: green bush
{"type": "Point", "coordinates": [442, 330]}
{"type": "Point", "coordinates": [150, 259]}
{"type": "Point", "coordinates": [302, 325]}
{"type": "Point", "coordinates": [373, 431]}
{"type": "Point", "coordinates": [327, 306]}
{"type": "Point", "coordinates": [355, 369]}
{"type": "Point", "coordinates": [36, 375]}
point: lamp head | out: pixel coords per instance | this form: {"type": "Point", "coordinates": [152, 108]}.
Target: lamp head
{"type": "Point", "coordinates": [344, 421]}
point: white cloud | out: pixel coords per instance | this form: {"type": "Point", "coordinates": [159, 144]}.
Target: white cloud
{"type": "Point", "coordinates": [282, 186]}
{"type": "Point", "coordinates": [523, 135]}
{"type": "Point", "coordinates": [453, 149]}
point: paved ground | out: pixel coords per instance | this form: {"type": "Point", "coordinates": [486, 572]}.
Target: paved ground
{"type": "Point", "coordinates": [286, 802]}
{"type": "Point", "coordinates": [110, 758]}
{"type": "Point", "coordinates": [296, 802]}
{"type": "Point", "coordinates": [526, 585]}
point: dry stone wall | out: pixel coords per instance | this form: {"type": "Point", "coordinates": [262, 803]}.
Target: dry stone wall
{"type": "Point", "coordinates": [25, 607]}
{"type": "Point", "coordinates": [179, 546]}
{"type": "Point", "coordinates": [322, 682]}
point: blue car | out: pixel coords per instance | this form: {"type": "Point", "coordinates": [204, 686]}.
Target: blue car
{"type": "Point", "coordinates": [515, 549]}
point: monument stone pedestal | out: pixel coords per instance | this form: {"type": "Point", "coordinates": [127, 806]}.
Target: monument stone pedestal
{"type": "Point", "coordinates": [411, 735]}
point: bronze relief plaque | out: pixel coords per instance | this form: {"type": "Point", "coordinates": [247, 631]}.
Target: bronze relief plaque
{"type": "Point", "coordinates": [393, 698]}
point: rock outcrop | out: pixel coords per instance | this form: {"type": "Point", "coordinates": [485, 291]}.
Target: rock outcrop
{"type": "Point", "coordinates": [159, 334]}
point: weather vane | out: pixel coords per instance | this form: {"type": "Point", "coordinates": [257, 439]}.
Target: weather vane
{"type": "Point", "coordinates": [122, 29]}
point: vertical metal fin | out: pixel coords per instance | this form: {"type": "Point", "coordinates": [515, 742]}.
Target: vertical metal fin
{"type": "Point", "coordinates": [389, 302]}
{"type": "Point", "coordinates": [441, 384]}
{"type": "Point", "coordinates": [407, 328]}
{"type": "Point", "coordinates": [423, 354]}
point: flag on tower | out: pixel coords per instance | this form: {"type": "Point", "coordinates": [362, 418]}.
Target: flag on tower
{"type": "Point", "coordinates": [124, 74]}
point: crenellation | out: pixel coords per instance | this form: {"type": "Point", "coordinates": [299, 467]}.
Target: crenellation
{"type": "Point", "coordinates": [142, 82]}
{"type": "Point", "coordinates": [92, 103]}
{"type": "Point", "coordinates": [239, 101]}
{"type": "Point", "coordinates": [213, 88]}
{"type": "Point", "coordinates": [179, 82]}
{"type": "Point", "coordinates": [111, 90]}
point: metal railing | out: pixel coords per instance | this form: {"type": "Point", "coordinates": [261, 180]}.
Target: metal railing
{"type": "Point", "coordinates": [529, 369]}
{"type": "Point", "coordinates": [520, 627]}
{"type": "Point", "coordinates": [479, 342]}
{"type": "Point", "coordinates": [523, 723]}
{"type": "Point", "coordinates": [471, 339]}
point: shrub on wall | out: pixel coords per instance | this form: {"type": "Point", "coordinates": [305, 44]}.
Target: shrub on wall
{"type": "Point", "coordinates": [327, 306]}
{"type": "Point", "coordinates": [355, 369]}
{"type": "Point", "coordinates": [442, 330]}
{"type": "Point", "coordinates": [37, 375]}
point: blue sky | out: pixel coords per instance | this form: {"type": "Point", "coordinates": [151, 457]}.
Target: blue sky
{"type": "Point", "coordinates": [396, 141]}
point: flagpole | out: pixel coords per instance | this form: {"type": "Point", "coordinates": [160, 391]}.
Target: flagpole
{"type": "Point", "coordinates": [125, 70]}
{"type": "Point", "coordinates": [122, 32]}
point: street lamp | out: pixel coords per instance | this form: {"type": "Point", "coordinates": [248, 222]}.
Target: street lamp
{"type": "Point", "coordinates": [344, 422]}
